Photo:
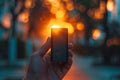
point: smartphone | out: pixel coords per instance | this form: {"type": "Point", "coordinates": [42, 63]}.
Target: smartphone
{"type": "Point", "coordinates": [59, 45]}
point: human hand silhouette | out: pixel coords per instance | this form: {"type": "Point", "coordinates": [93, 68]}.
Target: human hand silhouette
{"type": "Point", "coordinates": [41, 67]}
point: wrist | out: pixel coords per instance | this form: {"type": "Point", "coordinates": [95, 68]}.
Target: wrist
{"type": "Point", "coordinates": [35, 78]}
{"type": "Point", "coordinates": [52, 75]}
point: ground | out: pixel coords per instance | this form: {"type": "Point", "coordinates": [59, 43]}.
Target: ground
{"type": "Point", "coordinates": [82, 69]}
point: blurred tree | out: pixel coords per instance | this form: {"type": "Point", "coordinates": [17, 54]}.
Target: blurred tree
{"type": "Point", "coordinates": [106, 55]}
{"type": "Point", "coordinates": [15, 13]}
{"type": "Point", "coordinates": [39, 17]}
{"type": "Point", "coordinates": [87, 10]}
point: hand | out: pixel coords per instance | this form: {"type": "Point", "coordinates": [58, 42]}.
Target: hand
{"type": "Point", "coordinates": [41, 68]}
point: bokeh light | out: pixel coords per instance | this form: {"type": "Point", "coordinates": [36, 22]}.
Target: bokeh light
{"type": "Point", "coordinates": [98, 14]}
{"type": "Point", "coordinates": [60, 14]}
{"type": "Point", "coordinates": [80, 26]}
{"type": "Point", "coordinates": [96, 34]}
{"type": "Point", "coordinates": [24, 17]}
{"type": "Point", "coordinates": [102, 7]}
{"type": "Point", "coordinates": [110, 5]}
{"type": "Point", "coordinates": [70, 5]}
{"type": "Point", "coordinates": [28, 3]}
{"type": "Point", "coordinates": [6, 21]}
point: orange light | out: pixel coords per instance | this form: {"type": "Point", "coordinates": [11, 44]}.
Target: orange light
{"type": "Point", "coordinates": [56, 30]}
{"type": "Point", "coordinates": [102, 7]}
{"type": "Point", "coordinates": [70, 6]}
{"type": "Point", "coordinates": [53, 10]}
{"type": "Point", "coordinates": [28, 3]}
{"type": "Point", "coordinates": [60, 14]}
{"type": "Point", "coordinates": [59, 24]}
{"type": "Point", "coordinates": [98, 14]}
{"type": "Point", "coordinates": [96, 34]}
{"type": "Point", "coordinates": [56, 3]}
{"type": "Point", "coordinates": [69, 26]}
{"type": "Point", "coordinates": [51, 0]}
{"type": "Point", "coordinates": [81, 8]}
{"type": "Point", "coordinates": [55, 26]}
{"type": "Point", "coordinates": [6, 21]}
{"type": "Point", "coordinates": [90, 13]}
{"type": "Point", "coordinates": [24, 17]}
{"type": "Point", "coordinates": [80, 26]}
{"type": "Point", "coordinates": [110, 5]}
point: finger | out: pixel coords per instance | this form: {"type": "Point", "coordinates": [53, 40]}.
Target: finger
{"type": "Point", "coordinates": [67, 66]}
{"type": "Point", "coordinates": [69, 62]}
{"type": "Point", "coordinates": [70, 45]}
{"type": "Point", "coordinates": [45, 48]}
{"type": "Point", "coordinates": [70, 53]}
{"type": "Point", "coordinates": [47, 58]}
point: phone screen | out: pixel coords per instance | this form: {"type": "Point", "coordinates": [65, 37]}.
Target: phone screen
{"type": "Point", "coordinates": [59, 44]}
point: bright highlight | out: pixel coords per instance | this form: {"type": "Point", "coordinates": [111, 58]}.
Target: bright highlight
{"type": "Point", "coordinates": [96, 34]}
{"type": "Point", "coordinates": [55, 26]}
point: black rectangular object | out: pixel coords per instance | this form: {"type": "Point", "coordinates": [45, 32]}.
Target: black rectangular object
{"type": "Point", "coordinates": [59, 44]}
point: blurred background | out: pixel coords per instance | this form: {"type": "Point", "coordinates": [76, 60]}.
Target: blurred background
{"type": "Point", "coordinates": [93, 27]}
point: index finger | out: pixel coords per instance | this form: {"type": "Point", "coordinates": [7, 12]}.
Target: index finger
{"type": "Point", "coordinates": [43, 50]}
